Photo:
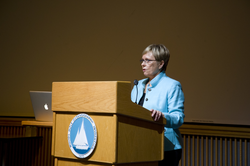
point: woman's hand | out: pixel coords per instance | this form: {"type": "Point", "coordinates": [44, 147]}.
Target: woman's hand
{"type": "Point", "coordinates": [156, 115]}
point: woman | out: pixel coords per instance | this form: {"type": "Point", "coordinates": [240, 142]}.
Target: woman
{"type": "Point", "coordinates": [163, 96]}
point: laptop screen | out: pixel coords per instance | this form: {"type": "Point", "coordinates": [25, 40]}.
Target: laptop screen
{"type": "Point", "coordinates": [41, 103]}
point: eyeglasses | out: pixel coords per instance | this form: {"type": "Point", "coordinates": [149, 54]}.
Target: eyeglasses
{"type": "Point", "coordinates": [146, 60]}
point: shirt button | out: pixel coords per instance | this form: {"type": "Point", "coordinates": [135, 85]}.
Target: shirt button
{"type": "Point", "coordinates": [146, 99]}
{"type": "Point", "coordinates": [149, 89]}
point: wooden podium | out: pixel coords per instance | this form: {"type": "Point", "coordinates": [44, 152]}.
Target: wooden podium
{"type": "Point", "coordinates": [126, 133]}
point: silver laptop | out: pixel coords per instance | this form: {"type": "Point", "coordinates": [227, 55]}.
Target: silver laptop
{"type": "Point", "coordinates": [41, 103]}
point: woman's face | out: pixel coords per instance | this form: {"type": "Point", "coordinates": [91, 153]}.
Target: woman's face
{"type": "Point", "coordinates": [152, 68]}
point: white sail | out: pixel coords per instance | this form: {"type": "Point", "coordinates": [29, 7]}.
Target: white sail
{"type": "Point", "coordinates": [81, 141]}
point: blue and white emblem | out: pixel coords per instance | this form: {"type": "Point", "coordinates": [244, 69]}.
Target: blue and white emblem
{"type": "Point", "coordinates": [82, 135]}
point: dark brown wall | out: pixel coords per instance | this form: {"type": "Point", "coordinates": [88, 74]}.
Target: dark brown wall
{"type": "Point", "coordinates": [46, 41]}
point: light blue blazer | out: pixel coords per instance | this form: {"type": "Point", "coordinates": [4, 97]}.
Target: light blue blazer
{"type": "Point", "coordinates": [166, 96]}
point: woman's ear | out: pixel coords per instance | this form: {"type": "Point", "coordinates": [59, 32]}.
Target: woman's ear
{"type": "Point", "coordinates": [161, 64]}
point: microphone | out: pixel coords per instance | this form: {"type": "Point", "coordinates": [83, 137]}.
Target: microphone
{"type": "Point", "coordinates": [136, 83]}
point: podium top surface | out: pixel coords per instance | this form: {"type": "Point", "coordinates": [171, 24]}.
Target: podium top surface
{"type": "Point", "coordinates": [97, 97]}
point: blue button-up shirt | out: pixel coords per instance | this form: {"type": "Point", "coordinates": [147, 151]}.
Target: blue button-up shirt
{"type": "Point", "coordinates": [165, 95]}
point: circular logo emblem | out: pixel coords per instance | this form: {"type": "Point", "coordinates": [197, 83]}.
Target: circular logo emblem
{"type": "Point", "coordinates": [82, 135]}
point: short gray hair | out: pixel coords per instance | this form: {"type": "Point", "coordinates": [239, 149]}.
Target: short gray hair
{"type": "Point", "coordinates": [160, 52]}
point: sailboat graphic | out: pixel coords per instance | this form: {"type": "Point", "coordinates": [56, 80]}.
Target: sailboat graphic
{"type": "Point", "coordinates": [81, 141]}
